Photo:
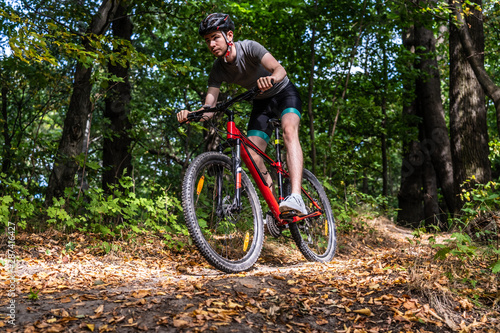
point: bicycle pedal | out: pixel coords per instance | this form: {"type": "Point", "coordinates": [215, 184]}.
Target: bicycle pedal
{"type": "Point", "coordinates": [288, 216]}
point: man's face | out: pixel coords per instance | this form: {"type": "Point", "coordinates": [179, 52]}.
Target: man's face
{"type": "Point", "coordinates": [216, 42]}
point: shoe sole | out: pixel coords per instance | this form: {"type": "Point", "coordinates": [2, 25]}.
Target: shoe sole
{"type": "Point", "coordinates": [288, 209]}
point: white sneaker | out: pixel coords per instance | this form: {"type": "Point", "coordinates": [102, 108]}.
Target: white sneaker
{"type": "Point", "coordinates": [293, 202]}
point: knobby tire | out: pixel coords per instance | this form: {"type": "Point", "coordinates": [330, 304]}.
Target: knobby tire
{"type": "Point", "coordinates": [315, 237]}
{"type": "Point", "coordinates": [230, 239]}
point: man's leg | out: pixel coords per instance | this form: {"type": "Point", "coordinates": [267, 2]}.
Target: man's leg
{"type": "Point", "coordinates": [294, 158]}
{"type": "Point", "coordinates": [262, 145]}
{"type": "Point", "coordinates": [290, 124]}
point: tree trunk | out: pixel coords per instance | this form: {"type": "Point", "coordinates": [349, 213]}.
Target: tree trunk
{"type": "Point", "coordinates": [310, 94]}
{"type": "Point", "coordinates": [410, 199]}
{"type": "Point", "coordinates": [474, 55]}
{"type": "Point", "coordinates": [410, 204]}
{"type": "Point", "coordinates": [116, 157]}
{"type": "Point", "coordinates": [468, 126]}
{"type": "Point", "coordinates": [70, 146]}
{"type": "Point", "coordinates": [383, 107]}
{"type": "Point", "coordinates": [430, 187]}
{"type": "Point", "coordinates": [436, 142]}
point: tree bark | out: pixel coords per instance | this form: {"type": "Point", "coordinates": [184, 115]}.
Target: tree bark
{"type": "Point", "coordinates": [70, 146]}
{"type": "Point", "coordinates": [435, 142]}
{"type": "Point", "coordinates": [468, 125]}
{"type": "Point", "coordinates": [116, 157]}
{"type": "Point", "coordinates": [475, 56]}
{"type": "Point", "coordinates": [430, 187]}
{"type": "Point", "coordinates": [383, 107]}
{"type": "Point", "coordinates": [410, 199]}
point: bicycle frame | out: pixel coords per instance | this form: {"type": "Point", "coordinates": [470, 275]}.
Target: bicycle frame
{"type": "Point", "coordinates": [239, 140]}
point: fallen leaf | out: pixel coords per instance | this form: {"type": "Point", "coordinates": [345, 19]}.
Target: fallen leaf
{"type": "Point", "coordinates": [367, 312]}
{"type": "Point", "coordinates": [321, 322]}
{"type": "Point", "coordinates": [181, 269]}
{"type": "Point", "coordinates": [141, 293]}
{"type": "Point", "coordinates": [56, 329]}
{"type": "Point", "coordinates": [181, 323]}
{"type": "Point", "coordinates": [99, 309]}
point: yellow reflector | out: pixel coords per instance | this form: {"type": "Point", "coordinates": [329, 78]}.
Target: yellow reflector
{"type": "Point", "coordinates": [247, 239]}
{"type": "Point", "coordinates": [200, 185]}
{"type": "Point", "coordinates": [326, 228]}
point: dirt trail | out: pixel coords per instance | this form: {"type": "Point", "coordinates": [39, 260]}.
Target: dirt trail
{"type": "Point", "coordinates": [141, 286]}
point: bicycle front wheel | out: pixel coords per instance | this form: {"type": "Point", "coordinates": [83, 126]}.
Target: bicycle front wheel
{"type": "Point", "coordinates": [315, 237]}
{"type": "Point", "coordinates": [229, 236]}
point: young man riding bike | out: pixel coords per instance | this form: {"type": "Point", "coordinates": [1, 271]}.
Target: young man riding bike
{"type": "Point", "coordinates": [249, 64]}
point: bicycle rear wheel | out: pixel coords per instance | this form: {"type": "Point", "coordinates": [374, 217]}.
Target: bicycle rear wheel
{"type": "Point", "coordinates": [315, 237]}
{"type": "Point", "coordinates": [229, 237]}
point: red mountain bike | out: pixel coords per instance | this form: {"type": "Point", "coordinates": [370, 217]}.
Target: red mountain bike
{"type": "Point", "coordinates": [222, 210]}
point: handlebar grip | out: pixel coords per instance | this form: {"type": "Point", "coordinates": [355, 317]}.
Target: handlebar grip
{"type": "Point", "coordinates": [194, 116]}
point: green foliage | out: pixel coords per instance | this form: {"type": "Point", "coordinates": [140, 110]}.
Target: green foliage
{"type": "Point", "coordinates": [477, 225]}
{"type": "Point", "coordinates": [96, 211]}
{"type": "Point", "coordinates": [33, 295]}
{"type": "Point", "coordinates": [348, 204]}
{"type": "Point", "coordinates": [16, 205]}
{"type": "Point", "coordinates": [479, 200]}
{"type": "Point", "coordinates": [459, 245]}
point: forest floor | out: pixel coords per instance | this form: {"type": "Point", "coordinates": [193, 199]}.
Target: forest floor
{"type": "Point", "coordinates": [379, 281]}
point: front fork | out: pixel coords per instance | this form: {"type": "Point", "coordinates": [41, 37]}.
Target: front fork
{"type": "Point", "coordinates": [221, 210]}
{"type": "Point", "coordinates": [237, 172]}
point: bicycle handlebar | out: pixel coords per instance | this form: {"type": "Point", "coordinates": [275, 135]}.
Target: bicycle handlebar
{"type": "Point", "coordinates": [221, 107]}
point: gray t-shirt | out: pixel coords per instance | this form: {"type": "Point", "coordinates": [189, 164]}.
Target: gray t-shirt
{"type": "Point", "coordinates": [245, 70]}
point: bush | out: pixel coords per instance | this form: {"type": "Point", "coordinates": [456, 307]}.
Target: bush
{"type": "Point", "coordinates": [94, 211]}
{"type": "Point", "coordinates": [477, 225]}
{"type": "Point", "coordinates": [17, 206]}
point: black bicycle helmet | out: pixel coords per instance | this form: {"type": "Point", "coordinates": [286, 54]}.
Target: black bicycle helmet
{"type": "Point", "coordinates": [214, 22]}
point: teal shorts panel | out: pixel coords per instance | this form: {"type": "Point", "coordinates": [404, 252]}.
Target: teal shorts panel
{"type": "Point", "coordinates": [260, 134]}
{"type": "Point", "coordinates": [291, 110]}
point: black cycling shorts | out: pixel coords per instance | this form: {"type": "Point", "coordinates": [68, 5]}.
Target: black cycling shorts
{"type": "Point", "coordinates": [286, 101]}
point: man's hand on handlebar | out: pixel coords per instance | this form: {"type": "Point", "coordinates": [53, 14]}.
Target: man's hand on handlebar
{"type": "Point", "coordinates": [208, 111]}
{"type": "Point", "coordinates": [265, 83]}
{"type": "Point", "coordinates": [182, 116]}
{"type": "Point", "coordinates": [185, 116]}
